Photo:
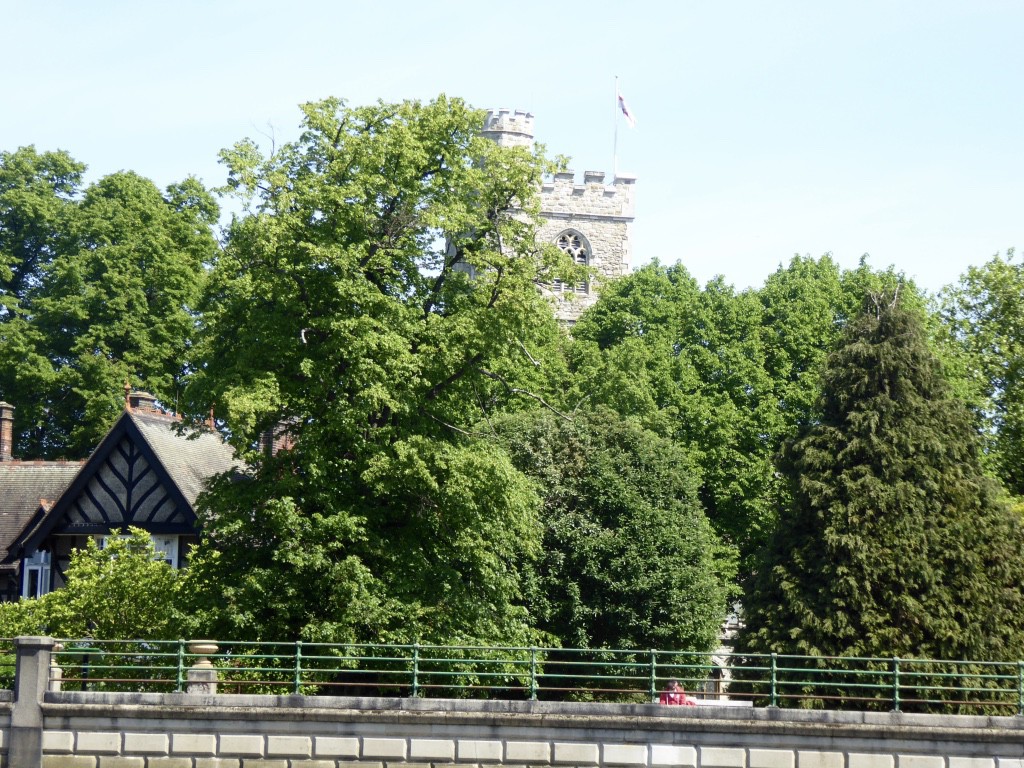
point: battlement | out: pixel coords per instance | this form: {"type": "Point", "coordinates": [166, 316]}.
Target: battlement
{"type": "Point", "coordinates": [562, 195]}
{"type": "Point", "coordinates": [509, 128]}
{"type": "Point", "coordinates": [592, 217]}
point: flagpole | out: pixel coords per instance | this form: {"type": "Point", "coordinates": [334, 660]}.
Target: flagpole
{"type": "Point", "coordinates": [615, 121]}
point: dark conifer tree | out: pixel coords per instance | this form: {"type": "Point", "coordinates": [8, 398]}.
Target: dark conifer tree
{"type": "Point", "coordinates": [895, 544]}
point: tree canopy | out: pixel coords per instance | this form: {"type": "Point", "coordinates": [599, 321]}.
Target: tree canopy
{"type": "Point", "coordinates": [629, 557]}
{"type": "Point", "coordinates": [895, 543]}
{"type": "Point", "coordinates": [381, 295]}
{"type": "Point", "coordinates": [457, 467]}
{"type": "Point", "coordinates": [97, 287]}
{"type": "Point", "coordinates": [984, 323]}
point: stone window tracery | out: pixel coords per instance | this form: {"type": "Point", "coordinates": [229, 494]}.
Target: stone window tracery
{"type": "Point", "coordinates": [578, 249]}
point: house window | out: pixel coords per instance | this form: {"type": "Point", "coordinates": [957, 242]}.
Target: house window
{"type": "Point", "coordinates": [166, 547]}
{"type": "Point", "coordinates": [36, 576]}
{"type": "Point", "coordinates": [577, 248]}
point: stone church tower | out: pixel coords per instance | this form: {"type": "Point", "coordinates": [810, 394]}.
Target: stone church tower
{"type": "Point", "coordinates": [589, 221]}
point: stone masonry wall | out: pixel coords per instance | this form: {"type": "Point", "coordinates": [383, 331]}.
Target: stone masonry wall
{"type": "Point", "coordinates": [600, 213]}
{"type": "Point", "coordinates": [85, 730]}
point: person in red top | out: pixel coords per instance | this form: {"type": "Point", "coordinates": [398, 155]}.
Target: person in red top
{"type": "Point", "coordinates": [675, 695]}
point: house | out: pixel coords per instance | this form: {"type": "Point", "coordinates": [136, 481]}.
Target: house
{"type": "Point", "coordinates": [146, 472]}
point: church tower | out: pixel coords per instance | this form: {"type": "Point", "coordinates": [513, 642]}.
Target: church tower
{"type": "Point", "coordinates": [589, 221]}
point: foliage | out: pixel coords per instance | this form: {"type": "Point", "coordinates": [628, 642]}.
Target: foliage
{"type": "Point", "coordinates": [895, 544]}
{"type": "Point", "coordinates": [691, 364]}
{"type": "Point", "coordinates": [630, 560]}
{"type": "Point", "coordinates": [104, 288]}
{"type": "Point", "coordinates": [984, 320]}
{"type": "Point", "coordinates": [36, 204]}
{"type": "Point", "coordinates": [124, 590]}
{"type": "Point", "coordinates": [380, 292]}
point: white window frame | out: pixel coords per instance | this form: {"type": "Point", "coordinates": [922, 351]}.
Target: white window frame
{"type": "Point", "coordinates": [166, 546]}
{"type": "Point", "coordinates": [39, 566]}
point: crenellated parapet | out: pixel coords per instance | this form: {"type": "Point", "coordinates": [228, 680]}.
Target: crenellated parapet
{"type": "Point", "coordinates": [589, 220]}
{"type": "Point", "coordinates": [509, 127]}
{"type": "Point", "coordinates": [561, 195]}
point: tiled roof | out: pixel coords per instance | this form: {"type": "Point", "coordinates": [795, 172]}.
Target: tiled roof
{"type": "Point", "coordinates": [23, 484]}
{"type": "Point", "coordinates": [190, 460]}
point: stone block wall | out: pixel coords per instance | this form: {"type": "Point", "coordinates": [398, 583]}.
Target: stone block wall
{"type": "Point", "coordinates": [237, 731]}
{"type": "Point", "coordinates": [55, 729]}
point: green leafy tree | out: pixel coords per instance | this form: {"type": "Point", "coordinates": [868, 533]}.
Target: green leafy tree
{"type": "Point", "coordinates": [690, 364]}
{"type": "Point", "coordinates": [630, 560]}
{"type": "Point", "coordinates": [984, 323]}
{"type": "Point", "coordinates": [896, 543]}
{"type": "Point", "coordinates": [123, 591]}
{"type": "Point", "coordinates": [37, 209]}
{"type": "Point", "coordinates": [117, 302]}
{"type": "Point", "coordinates": [806, 305]}
{"type": "Point", "coordinates": [37, 194]}
{"type": "Point", "coordinates": [379, 298]}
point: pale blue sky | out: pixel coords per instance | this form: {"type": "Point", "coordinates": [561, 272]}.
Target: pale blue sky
{"type": "Point", "coordinates": [764, 128]}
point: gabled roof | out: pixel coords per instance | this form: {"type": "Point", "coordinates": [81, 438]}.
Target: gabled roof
{"type": "Point", "coordinates": [190, 460]}
{"type": "Point", "coordinates": [144, 473]}
{"type": "Point", "coordinates": [24, 486]}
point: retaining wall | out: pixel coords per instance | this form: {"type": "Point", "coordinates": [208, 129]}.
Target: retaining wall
{"type": "Point", "coordinates": [107, 730]}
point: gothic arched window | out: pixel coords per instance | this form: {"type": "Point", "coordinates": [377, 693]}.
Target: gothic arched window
{"type": "Point", "coordinates": [578, 249]}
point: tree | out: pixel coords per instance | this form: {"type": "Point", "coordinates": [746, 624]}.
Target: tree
{"type": "Point", "coordinates": [895, 544]}
{"type": "Point", "coordinates": [630, 560]}
{"type": "Point", "coordinates": [37, 193]}
{"type": "Point", "coordinates": [378, 299]}
{"type": "Point", "coordinates": [805, 307]}
{"type": "Point", "coordinates": [984, 323]}
{"type": "Point", "coordinates": [690, 364]}
{"type": "Point", "coordinates": [122, 591]}
{"type": "Point", "coordinates": [117, 302]}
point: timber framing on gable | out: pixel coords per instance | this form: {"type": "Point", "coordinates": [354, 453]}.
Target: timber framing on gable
{"type": "Point", "coordinates": [122, 484]}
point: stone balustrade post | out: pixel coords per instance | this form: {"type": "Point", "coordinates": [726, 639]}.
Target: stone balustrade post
{"type": "Point", "coordinates": [202, 675]}
{"type": "Point", "coordinates": [31, 677]}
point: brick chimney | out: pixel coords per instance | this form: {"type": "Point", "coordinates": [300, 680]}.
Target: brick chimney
{"type": "Point", "coordinates": [278, 438]}
{"type": "Point", "coordinates": [142, 401]}
{"type": "Point", "coordinates": [6, 431]}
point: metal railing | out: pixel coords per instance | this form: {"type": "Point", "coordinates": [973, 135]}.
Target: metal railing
{"type": "Point", "coordinates": [535, 673]}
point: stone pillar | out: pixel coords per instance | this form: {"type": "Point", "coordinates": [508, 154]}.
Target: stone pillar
{"type": "Point", "coordinates": [32, 673]}
{"type": "Point", "coordinates": [202, 676]}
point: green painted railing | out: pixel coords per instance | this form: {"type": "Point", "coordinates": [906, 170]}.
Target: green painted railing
{"type": "Point", "coordinates": [549, 674]}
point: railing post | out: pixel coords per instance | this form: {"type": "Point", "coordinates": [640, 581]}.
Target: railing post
{"type": "Point", "coordinates": [654, 676]}
{"type": "Point", "coordinates": [773, 678]}
{"type": "Point", "coordinates": [895, 683]}
{"type": "Point", "coordinates": [533, 673]}
{"type": "Point", "coordinates": [56, 673]}
{"type": "Point", "coordinates": [415, 670]}
{"type": "Point", "coordinates": [298, 666]}
{"type": "Point", "coordinates": [181, 666]}
{"type": "Point", "coordinates": [1020, 687]}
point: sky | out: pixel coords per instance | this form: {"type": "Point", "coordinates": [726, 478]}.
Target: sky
{"type": "Point", "coordinates": [893, 128]}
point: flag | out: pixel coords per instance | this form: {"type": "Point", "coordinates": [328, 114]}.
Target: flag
{"type": "Point", "coordinates": [626, 113]}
